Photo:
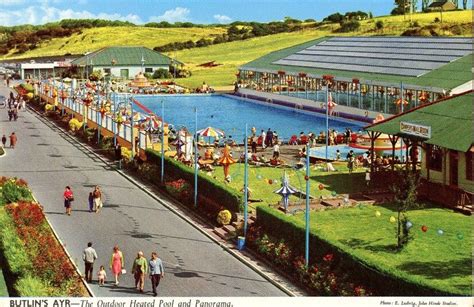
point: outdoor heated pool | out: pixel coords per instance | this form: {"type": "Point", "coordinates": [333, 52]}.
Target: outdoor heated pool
{"type": "Point", "coordinates": [231, 114]}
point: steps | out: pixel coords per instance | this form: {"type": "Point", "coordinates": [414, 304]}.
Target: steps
{"type": "Point", "coordinates": [229, 232]}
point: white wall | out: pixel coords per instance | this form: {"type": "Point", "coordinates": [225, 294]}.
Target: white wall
{"type": "Point", "coordinates": [132, 70]}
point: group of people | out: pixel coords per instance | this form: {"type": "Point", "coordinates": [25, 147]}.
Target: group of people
{"type": "Point", "coordinates": [13, 140]}
{"type": "Point", "coordinates": [94, 201]}
{"type": "Point", "coordinates": [141, 267]}
{"type": "Point", "coordinates": [14, 105]}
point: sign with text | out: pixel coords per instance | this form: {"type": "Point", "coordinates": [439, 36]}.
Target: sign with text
{"type": "Point", "coordinates": [415, 129]}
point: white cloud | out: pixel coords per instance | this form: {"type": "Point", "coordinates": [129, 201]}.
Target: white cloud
{"type": "Point", "coordinates": [43, 14]}
{"type": "Point", "coordinates": [178, 14]}
{"type": "Point", "coordinates": [12, 2]}
{"type": "Point", "coordinates": [222, 18]}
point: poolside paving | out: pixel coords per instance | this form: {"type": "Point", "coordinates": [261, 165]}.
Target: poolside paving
{"type": "Point", "coordinates": [195, 265]}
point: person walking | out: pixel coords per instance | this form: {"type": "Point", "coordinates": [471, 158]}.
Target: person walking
{"type": "Point", "coordinates": [139, 269]}
{"type": "Point", "coordinates": [91, 201]}
{"type": "Point", "coordinates": [68, 199]}
{"type": "Point", "coordinates": [117, 264]}
{"type": "Point", "coordinates": [276, 151]}
{"type": "Point", "coordinates": [4, 140]}
{"type": "Point", "coordinates": [97, 199]}
{"type": "Point", "coordinates": [263, 135]}
{"type": "Point", "coordinates": [89, 256]}
{"type": "Point", "coordinates": [157, 272]}
{"type": "Point", "coordinates": [254, 143]}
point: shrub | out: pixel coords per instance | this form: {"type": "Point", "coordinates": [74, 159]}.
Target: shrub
{"type": "Point", "coordinates": [48, 107]}
{"type": "Point", "coordinates": [349, 26]}
{"type": "Point", "coordinates": [161, 74]}
{"type": "Point", "coordinates": [11, 192]}
{"type": "Point", "coordinates": [224, 217]}
{"type": "Point", "coordinates": [32, 287]}
{"type": "Point", "coordinates": [379, 25]}
{"type": "Point", "coordinates": [208, 186]}
{"type": "Point", "coordinates": [75, 124]}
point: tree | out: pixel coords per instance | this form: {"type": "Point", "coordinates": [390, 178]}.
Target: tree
{"type": "Point", "coordinates": [96, 75]}
{"type": "Point", "coordinates": [336, 17]}
{"type": "Point", "coordinates": [424, 5]}
{"type": "Point", "coordinates": [403, 6]}
{"type": "Point", "coordinates": [161, 74]}
{"type": "Point", "coordinates": [379, 25]}
{"type": "Point", "coordinates": [349, 26]}
{"type": "Point", "coordinates": [405, 199]}
{"type": "Point", "coordinates": [464, 4]}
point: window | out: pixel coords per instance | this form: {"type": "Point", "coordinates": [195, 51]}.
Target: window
{"type": "Point", "coordinates": [469, 165]}
{"type": "Point", "coordinates": [435, 158]}
{"type": "Point", "coordinates": [149, 69]}
{"type": "Point", "coordinates": [106, 70]}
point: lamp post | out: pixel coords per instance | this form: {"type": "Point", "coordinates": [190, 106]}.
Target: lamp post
{"type": "Point", "coordinates": [327, 120]}
{"type": "Point", "coordinates": [163, 141]}
{"type": "Point", "coordinates": [307, 207]}
{"type": "Point", "coordinates": [246, 181]}
{"type": "Point", "coordinates": [97, 114]}
{"type": "Point", "coordinates": [195, 158]}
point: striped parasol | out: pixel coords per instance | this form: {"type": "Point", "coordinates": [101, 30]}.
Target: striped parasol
{"type": "Point", "coordinates": [211, 132]}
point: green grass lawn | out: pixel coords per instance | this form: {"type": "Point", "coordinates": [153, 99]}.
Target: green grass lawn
{"type": "Point", "coordinates": [259, 181]}
{"type": "Point", "coordinates": [441, 261]}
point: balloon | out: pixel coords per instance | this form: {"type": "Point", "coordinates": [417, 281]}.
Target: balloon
{"type": "Point", "coordinates": [424, 228]}
{"type": "Point", "coordinates": [440, 232]}
{"type": "Point", "coordinates": [409, 224]}
{"type": "Point", "coordinates": [333, 193]}
{"type": "Point", "coordinates": [259, 176]}
{"type": "Point", "coordinates": [460, 236]}
{"type": "Point", "coordinates": [275, 181]}
{"type": "Point", "coordinates": [377, 213]}
{"type": "Point", "coordinates": [393, 219]}
{"type": "Point", "coordinates": [346, 200]}
{"type": "Point", "coordinates": [306, 178]}
{"type": "Point", "coordinates": [270, 181]}
{"type": "Point", "coordinates": [321, 186]}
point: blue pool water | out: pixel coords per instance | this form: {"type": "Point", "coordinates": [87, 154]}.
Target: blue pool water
{"type": "Point", "coordinates": [231, 115]}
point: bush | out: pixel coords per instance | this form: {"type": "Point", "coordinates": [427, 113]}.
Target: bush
{"type": "Point", "coordinates": [32, 287]}
{"type": "Point", "coordinates": [208, 187]}
{"type": "Point", "coordinates": [161, 74]}
{"type": "Point", "coordinates": [75, 124]}
{"type": "Point", "coordinates": [379, 25]}
{"type": "Point", "coordinates": [349, 26]}
{"type": "Point", "coordinates": [11, 192]}
{"type": "Point", "coordinates": [224, 217]}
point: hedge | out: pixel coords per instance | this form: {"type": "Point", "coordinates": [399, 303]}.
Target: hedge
{"type": "Point", "coordinates": [277, 224]}
{"type": "Point", "coordinates": [208, 186]}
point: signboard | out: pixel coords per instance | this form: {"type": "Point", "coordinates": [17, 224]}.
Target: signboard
{"type": "Point", "coordinates": [415, 129]}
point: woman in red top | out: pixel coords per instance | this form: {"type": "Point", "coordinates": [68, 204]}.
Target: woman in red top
{"type": "Point", "coordinates": [68, 198]}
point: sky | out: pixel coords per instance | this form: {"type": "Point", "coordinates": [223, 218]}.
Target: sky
{"type": "Point", "coordinates": [15, 12]}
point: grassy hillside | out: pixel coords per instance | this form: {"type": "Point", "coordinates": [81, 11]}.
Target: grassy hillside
{"type": "Point", "coordinates": [96, 38]}
{"type": "Point", "coordinates": [233, 54]}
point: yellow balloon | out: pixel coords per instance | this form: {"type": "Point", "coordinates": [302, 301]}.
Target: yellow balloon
{"type": "Point", "coordinates": [377, 213]}
{"type": "Point", "coordinates": [393, 219]}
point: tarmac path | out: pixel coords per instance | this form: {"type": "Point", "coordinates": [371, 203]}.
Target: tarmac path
{"type": "Point", "coordinates": [194, 264]}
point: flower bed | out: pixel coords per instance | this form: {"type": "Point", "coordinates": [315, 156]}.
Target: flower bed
{"type": "Point", "coordinates": [324, 277]}
{"type": "Point", "coordinates": [36, 262]}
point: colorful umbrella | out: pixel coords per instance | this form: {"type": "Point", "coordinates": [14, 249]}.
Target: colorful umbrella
{"type": "Point", "coordinates": [286, 190]}
{"type": "Point", "coordinates": [211, 132]}
{"type": "Point", "coordinates": [226, 160]}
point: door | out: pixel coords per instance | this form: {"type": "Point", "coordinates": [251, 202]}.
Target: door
{"type": "Point", "coordinates": [124, 73]}
{"type": "Point", "coordinates": [453, 168]}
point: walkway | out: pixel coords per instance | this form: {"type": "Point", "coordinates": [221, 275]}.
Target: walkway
{"type": "Point", "coordinates": [195, 265]}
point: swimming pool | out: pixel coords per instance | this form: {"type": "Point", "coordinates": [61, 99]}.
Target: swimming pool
{"type": "Point", "coordinates": [231, 115]}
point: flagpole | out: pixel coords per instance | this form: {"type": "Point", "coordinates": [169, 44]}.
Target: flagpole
{"type": "Point", "coordinates": [307, 207]}
{"type": "Point", "coordinates": [62, 94]}
{"type": "Point", "coordinates": [195, 158]}
{"type": "Point", "coordinates": [246, 181]}
{"type": "Point", "coordinates": [162, 141]}
{"type": "Point", "coordinates": [97, 116]}
{"type": "Point", "coordinates": [114, 124]}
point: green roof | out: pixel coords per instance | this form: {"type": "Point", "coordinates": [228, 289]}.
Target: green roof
{"type": "Point", "coordinates": [123, 56]}
{"type": "Point", "coordinates": [446, 77]}
{"type": "Point", "coordinates": [450, 119]}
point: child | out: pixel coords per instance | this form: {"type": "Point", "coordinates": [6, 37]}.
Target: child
{"type": "Point", "coordinates": [91, 201]}
{"type": "Point", "coordinates": [338, 155]}
{"type": "Point", "coordinates": [102, 275]}
{"type": "Point", "coordinates": [367, 177]}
